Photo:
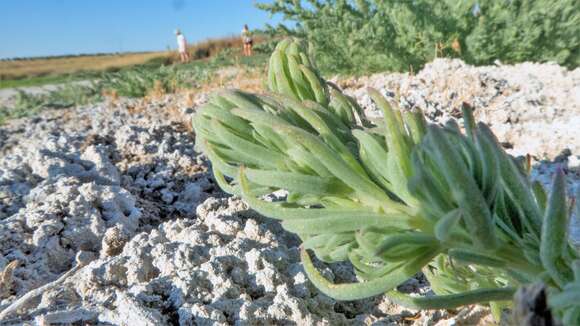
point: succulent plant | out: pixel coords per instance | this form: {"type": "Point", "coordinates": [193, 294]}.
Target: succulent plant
{"type": "Point", "coordinates": [394, 197]}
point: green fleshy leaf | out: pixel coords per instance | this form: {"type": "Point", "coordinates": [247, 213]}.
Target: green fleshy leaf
{"type": "Point", "coordinates": [554, 231]}
{"type": "Point", "coordinates": [452, 300]}
{"type": "Point", "coordinates": [355, 291]}
{"type": "Point", "coordinates": [475, 211]}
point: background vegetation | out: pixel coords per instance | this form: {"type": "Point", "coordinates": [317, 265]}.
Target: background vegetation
{"type": "Point", "coordinates": [375, 35]}
{"type": "Point", "coordinates": [159, 74]}
{"type": "Point", "coordinates": [23, 72]}
{"type": "Point", "coordinates": [38, 67]}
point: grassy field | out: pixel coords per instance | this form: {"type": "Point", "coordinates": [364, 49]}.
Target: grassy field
{"type": "Point", "coordinates": [19, 69]}
{"type": "Point", "coordinates": [223, 67]}
{"type": "Point", "coordinates": [216, 62]}
{"type": "Point", "coordinates": [45, 80]}
{"type": "Point", "coordinates": [42, 71]}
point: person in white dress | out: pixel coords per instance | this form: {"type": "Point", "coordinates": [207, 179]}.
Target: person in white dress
{"type": "Point", "coordinates": [182, 46]}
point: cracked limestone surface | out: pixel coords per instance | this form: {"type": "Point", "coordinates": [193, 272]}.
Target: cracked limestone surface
{"type": "Point", "coordinates": [535, 108]}
{"type": "Point", "coordinates": [82, 180]}
{"type": "Point", "coordinates": [227, 266]}
{"type": "Point", "coordinates": [121, 182]}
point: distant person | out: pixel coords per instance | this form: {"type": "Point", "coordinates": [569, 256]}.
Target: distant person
{"type": "Point", "coordinates": [247, 41]}
{"type": "Point", "coordinates": [182, 46]}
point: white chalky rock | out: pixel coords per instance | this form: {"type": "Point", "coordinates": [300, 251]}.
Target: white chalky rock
{"type": "Point", "coordinates": [122, 182]}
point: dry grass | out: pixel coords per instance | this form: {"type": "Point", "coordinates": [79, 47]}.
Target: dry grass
{"type": "Point", "coordinates": [213, 46]}
{"type": "Point", "coordinates": [68, 65]}
{"type": "Point", "coordinates": [249, 80]}
{"type": "Point", "coordinates": [60, 66]}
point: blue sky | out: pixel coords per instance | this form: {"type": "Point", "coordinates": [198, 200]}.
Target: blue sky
{"type": "Point", "coordinates": [54, 27]}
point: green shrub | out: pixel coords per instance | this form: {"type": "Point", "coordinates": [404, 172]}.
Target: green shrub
{"type": "Point", "coordinates": [201, 53]}
{"type": "Point", "coordinates": [374, 35]}
{"type": "Point", "coordinates": [266, 47]}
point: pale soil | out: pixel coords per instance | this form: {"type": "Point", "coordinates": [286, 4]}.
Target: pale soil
{"type": "Point", "coordinates": [118, 190]}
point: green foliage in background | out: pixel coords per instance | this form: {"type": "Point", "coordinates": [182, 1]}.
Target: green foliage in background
{"type": "Point", "coordinates": [139, 82]}
{"type": "Point", "coordinates": [392, 197]}
{"type": "Point", "coordinates": [376, 35]}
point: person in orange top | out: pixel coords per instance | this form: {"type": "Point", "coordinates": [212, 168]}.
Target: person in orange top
{"type": "Point", "coordinates": [247, 41]}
